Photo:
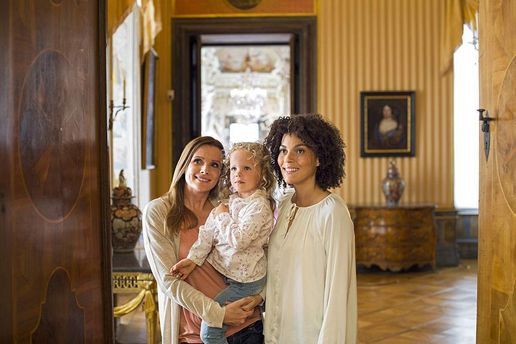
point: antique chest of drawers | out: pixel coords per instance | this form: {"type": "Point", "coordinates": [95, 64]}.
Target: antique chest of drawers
{"type": "Point", "coordinates": [394, 238]}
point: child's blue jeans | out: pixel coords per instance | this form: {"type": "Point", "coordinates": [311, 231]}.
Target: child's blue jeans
{"type": "Point", "coordinates": [234, 291]}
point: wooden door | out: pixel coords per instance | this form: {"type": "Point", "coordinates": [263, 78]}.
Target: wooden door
{"type": "Point", "coordinates": [54, 198]}
{"type": "Point", "coordinates": [496, 320]}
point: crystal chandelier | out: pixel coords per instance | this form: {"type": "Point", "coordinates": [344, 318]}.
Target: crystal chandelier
{"type": "Point", "coordinates": [247, 101]}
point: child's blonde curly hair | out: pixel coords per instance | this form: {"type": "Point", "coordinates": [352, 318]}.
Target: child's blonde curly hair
{"type": "Point", "coordinates": [262, 157]}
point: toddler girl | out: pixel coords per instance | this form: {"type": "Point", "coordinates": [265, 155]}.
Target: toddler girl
{"type": "Point", "coordinates": [234, 235]}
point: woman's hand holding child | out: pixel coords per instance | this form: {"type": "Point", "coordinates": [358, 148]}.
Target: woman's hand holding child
{"type": "Point", "coordinates": [252, 302]}
{"type": "Point", "coordinates": [235, 314]}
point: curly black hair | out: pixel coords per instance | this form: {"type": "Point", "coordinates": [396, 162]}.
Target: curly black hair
{"type": "Point", "coordinates": [319, 135]}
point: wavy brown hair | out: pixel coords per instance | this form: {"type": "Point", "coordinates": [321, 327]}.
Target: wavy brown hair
{"type": "Point", "coordinates": [178, 214]}
{"type": "Point", "coordinates": [318, 134]}
{"type": "Point", "coordinates": [261, 155]}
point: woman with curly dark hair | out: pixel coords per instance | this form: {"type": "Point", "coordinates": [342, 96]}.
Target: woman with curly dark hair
{"type": "Point", "coordinates": [311, 287]}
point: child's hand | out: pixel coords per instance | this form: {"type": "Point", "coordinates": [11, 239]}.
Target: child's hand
{"type": "Point", "coordinates": [221, 208]}
{"type": "Point", "coordinates": [183, 268]}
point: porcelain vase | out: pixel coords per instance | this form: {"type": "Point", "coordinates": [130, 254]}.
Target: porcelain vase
{"type": "Point", "coordinates": [393, 185]}
{"type": "Point", "coordinates": [126, 218]}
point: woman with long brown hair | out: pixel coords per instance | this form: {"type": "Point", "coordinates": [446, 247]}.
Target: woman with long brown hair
{"type": "Point", "coordinates": [170, 227]}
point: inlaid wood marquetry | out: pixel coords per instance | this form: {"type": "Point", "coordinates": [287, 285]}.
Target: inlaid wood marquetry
{"type": "Point", "coordinates": [496, 319]}
{"type": "Point", "coordinates": [53, 160]}
{"type": "Point", "coordinates": [61, 318]}
{"type": "Point", "coordinates": [54, 178]}
{"type": "Point", "coordinates": [506, 136]}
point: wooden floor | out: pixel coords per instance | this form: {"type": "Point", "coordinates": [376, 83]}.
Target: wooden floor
{"type": "Point", "coordinates": [409, 307]}
{"type": "Point", "coordinates": [418, 307]}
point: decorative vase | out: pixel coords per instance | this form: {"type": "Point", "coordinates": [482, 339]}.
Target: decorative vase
{"type": "Point", "coordinates": [393, 185]}
{"type": "Point", "coordinates": [126, 218]}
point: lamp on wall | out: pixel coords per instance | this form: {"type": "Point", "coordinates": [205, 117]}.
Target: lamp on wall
{"type": "Point", "coordinates": [115, 109]}
{"type": "Point", "coordinates": [118, 108]}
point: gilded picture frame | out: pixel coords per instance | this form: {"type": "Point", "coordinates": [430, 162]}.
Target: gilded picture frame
{"type": "Point", "coordinates": [387, 123]}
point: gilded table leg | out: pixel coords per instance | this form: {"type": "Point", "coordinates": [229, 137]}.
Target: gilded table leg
{"type": "Point", "coordinates": [150, 316]}
{"type": "Point", "coordinates": [145, 285]}
{"type": "Point", "coordinates": [150, 309]}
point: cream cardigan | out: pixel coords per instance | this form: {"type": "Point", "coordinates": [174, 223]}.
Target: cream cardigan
{"type": "Point", "coordinates": [162, 254]}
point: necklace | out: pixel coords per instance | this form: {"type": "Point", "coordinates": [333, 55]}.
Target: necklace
{"type": "Point", "coordinates": [291, 216]}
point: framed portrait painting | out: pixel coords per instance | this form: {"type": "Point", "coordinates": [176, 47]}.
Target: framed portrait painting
{"type": "Point", "coordinates": [148, 109]}
{"type": "Point", "coordinates": [387, 123]}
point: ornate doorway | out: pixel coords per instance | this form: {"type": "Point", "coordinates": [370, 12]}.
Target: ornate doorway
{"type": "Point", "coordinates": [193, 38]}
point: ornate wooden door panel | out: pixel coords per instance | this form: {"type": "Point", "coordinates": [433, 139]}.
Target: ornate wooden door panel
{"type": "Point", "coordinates": [53, 182]}
{"type": "Point", "coordinates": [496, 321]}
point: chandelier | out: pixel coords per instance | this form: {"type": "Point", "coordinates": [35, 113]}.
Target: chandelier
{"type": "Point", "coordinates": [247, 101]}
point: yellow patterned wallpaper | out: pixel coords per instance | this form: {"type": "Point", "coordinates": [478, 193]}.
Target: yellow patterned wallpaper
{"type": "Point", "coordinates": [374, 45]}
{"type": "Point", "coordinates": [362, 45]}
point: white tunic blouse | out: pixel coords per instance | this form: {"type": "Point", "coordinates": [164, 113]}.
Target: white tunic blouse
{"type": "Point", "coordinates": [237, 238]}
{"type": "Point", "coordinates": [311, 276]}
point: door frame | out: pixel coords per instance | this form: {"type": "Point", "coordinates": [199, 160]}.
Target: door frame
{"type": "Point", "coordinates": [186, 36]}
{"type": "Point", "coordinates": [104, 179]}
